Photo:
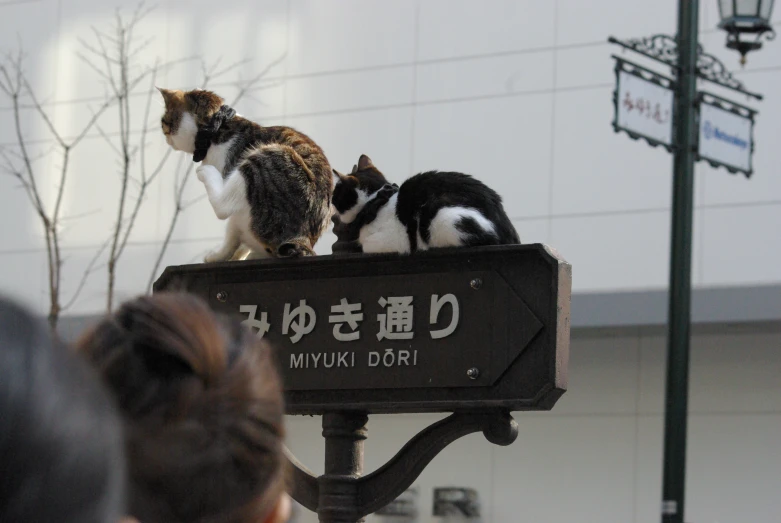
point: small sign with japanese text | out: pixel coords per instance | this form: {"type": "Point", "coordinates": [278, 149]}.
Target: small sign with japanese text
{"type": "Point", "coordinates": [643, 104]}
{"type": "Point", "coordinates": [426, 329]}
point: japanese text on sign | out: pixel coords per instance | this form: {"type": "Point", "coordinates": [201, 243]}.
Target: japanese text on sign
{"type": "Point", "coordinates": [394, 323]}
{"type": "Point", "coordinates": [644, 107]}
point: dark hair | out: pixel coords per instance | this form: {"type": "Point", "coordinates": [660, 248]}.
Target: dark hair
{"type": "Point", "coordinates": [203, 409]}
{"type": "Point", "coordinates": [61, 450]}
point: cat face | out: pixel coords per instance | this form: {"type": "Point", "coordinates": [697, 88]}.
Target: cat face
{"type": "Point", "coordinates": [184, 112]}
{"type": "Point", "coordinates": [352, 191]}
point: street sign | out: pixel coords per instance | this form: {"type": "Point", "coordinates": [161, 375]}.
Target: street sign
{"type": "Point", "coordinates": [643, 103]}
{"type": "Point", "coordinates": [436, 331]}
{"type": "Point", "coordinates": [726, 136]}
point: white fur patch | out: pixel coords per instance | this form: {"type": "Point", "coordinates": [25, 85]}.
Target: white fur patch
{"type": "Point", "coordinates": [218, 154]}
{"type": "Point", "coordinates": [184, 138]}
{"type": "Point", "coordinates": [350, 214]}
{"type": "Point", "coordinates": [443, 231]}
{"type": "Point", "coordinates": [422, 245]}
{"type": "Point", "coordinates": [228, 198]}
{"type": "Point", "coordinates": [386, 233]}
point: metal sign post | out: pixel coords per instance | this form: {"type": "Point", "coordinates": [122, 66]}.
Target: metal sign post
{"type": "Point", "coordinates": [723, 138]}
{"type": "Point", "coordinates": [477, 332]}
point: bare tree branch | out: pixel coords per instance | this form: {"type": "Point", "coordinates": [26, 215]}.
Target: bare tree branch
{"type": "Point", "coordinates": [257, 78]}
{"type": "Point", "coordinates": [92, 121]}
{"type": "Point", "coordinates": [85, 276]}
{"type": "Point", "coordinates": [79, 215]}
{"type": "Point", "coordinates": [195, 200]}
{"type": "Point", "coordinates": [209, 73]}
{"type": "Point", "coordinates": [108, 140]}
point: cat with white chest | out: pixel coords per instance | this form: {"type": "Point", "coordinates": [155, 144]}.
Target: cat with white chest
{"type": "Point", "coordinates": [272, 184]}
{"type": "Point", "coordinates": [429, 210]}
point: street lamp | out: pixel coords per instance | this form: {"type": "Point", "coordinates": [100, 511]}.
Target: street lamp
{"type": "Point", "coordinates": [746, 17]}
{"type": "Point", "coordinates": [689, 62]}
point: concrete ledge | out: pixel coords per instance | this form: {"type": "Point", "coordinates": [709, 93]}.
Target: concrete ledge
{"type": "Point", "coordinates": [648, 308]}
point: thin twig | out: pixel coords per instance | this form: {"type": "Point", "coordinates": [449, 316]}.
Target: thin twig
{"type": "Point", "coordinates": [150, 91]}
{"type": "Point", "coordinates": [195, 200]}
{"type": "Point", "coordinates": [108, 140]}
{"type": "Point", "coordinates": [85, 276]}
{"type": "Point", "coordinates": [254, 80]}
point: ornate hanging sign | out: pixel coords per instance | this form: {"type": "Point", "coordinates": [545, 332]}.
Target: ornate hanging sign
{"type": "Point", "coordinates": [643, 104]}
{"type": "Point", "coordinates": [726, 137]}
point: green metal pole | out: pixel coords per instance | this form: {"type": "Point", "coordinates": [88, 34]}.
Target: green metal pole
{"type": "Point", "coordinates": [676, 411]}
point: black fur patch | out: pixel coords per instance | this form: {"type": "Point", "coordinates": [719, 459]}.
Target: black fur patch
{"type": "Point", "coordinates": [370, 180]}
{"type": "Point", "coordinates": [345, 194]}
{"type": "Point", "coordinates": [475, 235]}
{"type": "Point", "coordinates": [206, 133]}
{"type": "Point", "coordinates": [423, 195]}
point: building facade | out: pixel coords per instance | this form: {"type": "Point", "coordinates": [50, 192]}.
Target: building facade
{"type": "Point", "coordinates": [518, 93]}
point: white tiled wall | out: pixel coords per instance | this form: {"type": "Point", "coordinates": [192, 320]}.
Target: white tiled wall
{"type": "Point", "coordinates": [597, 456]}
{"type": "Point", "coordinates": [516, 92]}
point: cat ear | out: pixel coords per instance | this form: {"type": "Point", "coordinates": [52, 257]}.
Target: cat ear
{"type": "Point", "coordinates": [364, 162]}
{"type": "Point", "coordinates": [338, 177]}
{"type": "Point", "coordinates": [355, 169]}
{"type": "Point", "coordinates": [203, 103]}
{"type": "Point", "coordinates": [167, 94]}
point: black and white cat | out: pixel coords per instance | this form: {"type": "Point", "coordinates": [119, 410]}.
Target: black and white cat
{"type": "Point", "coordinates": [430, 210]}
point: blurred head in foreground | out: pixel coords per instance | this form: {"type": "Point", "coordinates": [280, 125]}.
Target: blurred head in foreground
{"type": "Point", "coordinates": [203, 412]}
{"type": "Point", "coordinates": [61, 450]}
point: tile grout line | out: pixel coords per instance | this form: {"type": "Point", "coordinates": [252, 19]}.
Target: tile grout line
{"type": "Point", "coordinates": [699, 215]}
{"type": "Point", "coordinates": [415, 47]}
{"type": "Point", "coordinates": [430, 61]}
{"type": "Point", "coordinates": [371, 68]}
{"type": "Point", "coordinates": [638, 388]}
{"type": "Point", "coordinates": [285, 64]}
{"type": "Point", "coordinates": [552, 156]}
{"type": "Point", "coordinates": [358, 110]}
{"type": "Point", "coordinates": [513, 219]}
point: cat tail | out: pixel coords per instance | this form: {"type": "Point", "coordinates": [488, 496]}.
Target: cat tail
{"type": "Point", "coordinates": [295, 248]}
{"type": "Point", "coordinates": [512, 237]}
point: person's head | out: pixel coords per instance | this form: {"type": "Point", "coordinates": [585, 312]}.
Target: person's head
{"type": "Point", "coordinates": [203, 412]}
{"type": "Point", "coordinates": [61, 449]}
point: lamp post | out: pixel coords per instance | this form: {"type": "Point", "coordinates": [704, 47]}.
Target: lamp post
{"type": "Point", "coordinates": [738, 17]}
{"type": "Point", "coordinates": [678, 318]}
{"type": "Point", "coordinates": [743, 18]}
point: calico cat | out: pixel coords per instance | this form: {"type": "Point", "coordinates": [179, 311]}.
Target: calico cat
{"type": "Point", "coordinates": [430, 210]}
{"type": "Point", "coordinates": [272, 184]}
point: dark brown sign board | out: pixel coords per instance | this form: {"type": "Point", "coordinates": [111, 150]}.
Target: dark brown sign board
{"type": "Point", "coordinates": [437, 331]}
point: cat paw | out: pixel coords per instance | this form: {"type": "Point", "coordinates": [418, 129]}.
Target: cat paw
{"type": "Point", "coordinates": [294, 250]}
{"type": "Point", "coordinates": [204, 171]}
{"type": "Point", "coordinates": [387, 191]}
{"type": "Point", "coordinates": [214, 256]}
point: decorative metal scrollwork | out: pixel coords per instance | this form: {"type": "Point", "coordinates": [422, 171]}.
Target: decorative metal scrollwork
{"type": "Point", "coordinates": [711, 68]}
{"type": "Point", "coordinates": [664, 48]}
{"type": "Point", "coordinates": [661, 47]}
